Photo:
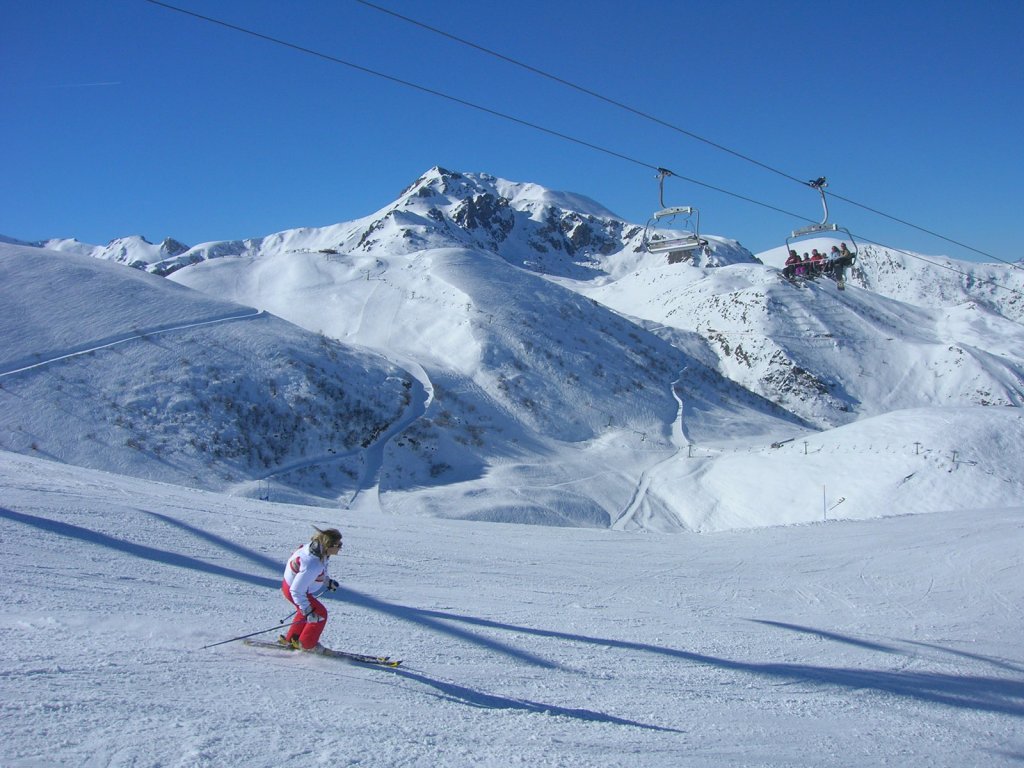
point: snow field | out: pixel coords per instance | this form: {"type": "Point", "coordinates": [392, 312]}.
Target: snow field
{"type": "Point", "coordinates": [871, 643]}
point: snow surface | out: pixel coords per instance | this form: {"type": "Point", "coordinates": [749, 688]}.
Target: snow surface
{"type": "Point", "coordinates": [841, 471]}
{"type": "Point", "coordinates": [883, 642]}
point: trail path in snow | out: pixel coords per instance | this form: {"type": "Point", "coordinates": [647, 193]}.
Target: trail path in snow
{"type": "Point", "coordinates": [637, 512]}
{"type": "Point", "coordinates": [135, 335]}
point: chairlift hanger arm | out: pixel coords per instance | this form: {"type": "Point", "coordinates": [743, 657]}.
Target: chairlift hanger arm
{"type": "Point", "coordinates": [819, 184]}
{"type": "Point", "coordinates": [662, 173]}
{"type": "Point", "coordinates": [670, 210]}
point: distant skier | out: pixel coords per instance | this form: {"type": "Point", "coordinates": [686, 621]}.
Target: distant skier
{"type": "Point", "coordinates": [305, 573]}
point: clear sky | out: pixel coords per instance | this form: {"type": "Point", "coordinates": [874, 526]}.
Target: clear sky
{"type": "Point", "coordinates": [124, 117]}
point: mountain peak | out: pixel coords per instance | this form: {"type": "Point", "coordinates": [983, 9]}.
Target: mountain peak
{"type": "Point", "coordinates": [435, 180]}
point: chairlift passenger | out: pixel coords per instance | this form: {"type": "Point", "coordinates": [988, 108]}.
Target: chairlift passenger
{"type": "Point", "coordinates": [846, 257]}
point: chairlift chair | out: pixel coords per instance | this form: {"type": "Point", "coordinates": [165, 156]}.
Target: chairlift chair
{"type": "Point", "coordinates": [823, 227]}
{"type": "Point", "coordinates": [687, 216]}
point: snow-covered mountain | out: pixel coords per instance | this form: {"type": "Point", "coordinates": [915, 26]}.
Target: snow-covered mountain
{"type": "Point", "coordinates": [118, 369]}
{"type": "Point", "coordinates": [533, 343]}
{"type": "Point", "coordinates": [495, 351]}
{"type": "Point", "coordinates": [554, 233]}
{"type": "Point", "coordinates": [134, 251]}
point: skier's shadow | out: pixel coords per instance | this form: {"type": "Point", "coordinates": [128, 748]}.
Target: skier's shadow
{"type": "Point", "coordinates": [464, 695]}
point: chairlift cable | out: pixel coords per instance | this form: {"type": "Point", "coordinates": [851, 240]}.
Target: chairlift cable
{"type": "Point", "coordinates": [580, 88]}
{"type": "Point", "coordinates": [400, 81]}
{"type": "Point", "coordinates": [552, 132]}
{"type": "Point", "coordinates": [671, 126]}
{"type": "Point", "coordinates": [898, 220]}
{"type": "Point", "coordinates": [736, 195]}
{"type": "Point", "coordinates": [947, 267]}
{"type": "Point", "coordinates": [466, 103]}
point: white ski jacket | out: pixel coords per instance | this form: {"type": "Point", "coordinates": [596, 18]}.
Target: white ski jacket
{"type": "Point", "coordinates": [304, 573]}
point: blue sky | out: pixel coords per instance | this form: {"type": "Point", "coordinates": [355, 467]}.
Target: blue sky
{"type": "Point", "coordinates": [126, 118]}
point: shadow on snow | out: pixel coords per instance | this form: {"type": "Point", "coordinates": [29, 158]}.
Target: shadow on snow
{"type": "Point", "coordinates": [991, 694]}
{"type": "Point", "coordinates": [464, 695]}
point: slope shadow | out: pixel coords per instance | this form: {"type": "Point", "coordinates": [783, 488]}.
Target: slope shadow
{"type": "Point", "coordinates": [845, 639]}
{"type": "Point", "coordinates": [350, 596]}
{"type": "Point", "coordinates": [135, 550]}
{"type": "Point", "coordinates": [464, 695]}
{"type": "Point", "coordinates": [974, 692]}
{"type": "Point", "coordinates": [1000, 695]}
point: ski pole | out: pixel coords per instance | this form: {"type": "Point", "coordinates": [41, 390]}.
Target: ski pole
{"type": "Point", "coordinates": [242, 637]}
{"type": "Point", "coordinates": [251, 634]}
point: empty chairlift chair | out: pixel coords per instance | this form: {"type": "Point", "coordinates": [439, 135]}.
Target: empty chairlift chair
{"type": "Point", "coordinates": [674, 230]}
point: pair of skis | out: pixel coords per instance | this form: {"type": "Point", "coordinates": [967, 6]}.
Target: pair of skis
{"type": "Point", "coordinates": [358, 658]}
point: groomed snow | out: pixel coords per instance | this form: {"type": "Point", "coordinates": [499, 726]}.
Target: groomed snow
{"type": "Point", "coordinates": [886, 642]}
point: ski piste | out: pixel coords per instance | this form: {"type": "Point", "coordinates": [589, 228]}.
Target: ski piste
{"type": "Point", "coordinates": [360, 658]}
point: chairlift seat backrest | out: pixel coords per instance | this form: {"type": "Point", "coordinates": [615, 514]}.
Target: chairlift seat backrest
{"type": "Point", "coordinates": [684, 210]}
{"type": "Point", "coordinates": [811, 229]}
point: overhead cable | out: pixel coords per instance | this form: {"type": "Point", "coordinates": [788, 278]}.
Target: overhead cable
{"type": "Point", "coordinates": [519, 121]}
{"type": "Point", "coordinates": [671, 126]}
{"type": "Point", "coordinates": [581, 89]}
{"type": "Point", "coordinates": [940, 265]}
{"type": "Point", "coordinates": [466, 103]}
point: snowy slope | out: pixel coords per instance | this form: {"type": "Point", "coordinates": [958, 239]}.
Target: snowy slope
{"type": "Point", "coordinates": [539, 346]}
{"type": "Point", "coordinates": [114, 368]}
{"type": "Point", "coordinates": [826, 355]}
{"type": "Point", "coordinates": [513, 363]}
{"type": "Point", "coordinates": [903, 462]}
{"type": "Point", "coordinates": [885, 642]}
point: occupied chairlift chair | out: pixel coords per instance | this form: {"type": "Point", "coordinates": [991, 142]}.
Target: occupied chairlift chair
{"type": "Point", "coordinates": [678, 246]}
{"type": "Point", "coordinates": [822, 228]}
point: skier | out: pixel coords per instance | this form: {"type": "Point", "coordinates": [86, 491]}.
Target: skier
{"type": "Point", "coordinates": [306, 572]}
{"type": "Point", "coordinates": [803, 266]}
{"type": "Point", "coordinates": [840, 260]}
{"type": "Point", "coordinates": [848, 258]}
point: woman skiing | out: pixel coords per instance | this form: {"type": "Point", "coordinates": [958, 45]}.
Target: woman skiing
{"type": "Point", "coordinates": [305, 573]}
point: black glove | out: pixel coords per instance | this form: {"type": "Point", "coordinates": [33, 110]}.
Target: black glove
{"type": "Point", "coordinates": [332, 585]}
